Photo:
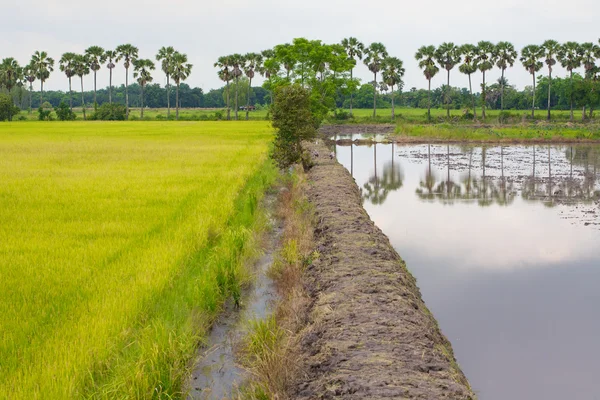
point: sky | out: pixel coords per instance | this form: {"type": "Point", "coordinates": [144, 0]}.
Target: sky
{"type": "Point", "coordinates": [206, 30]}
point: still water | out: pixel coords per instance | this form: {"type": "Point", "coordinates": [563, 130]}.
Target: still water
{"type": "Point", "coordinates": [505, 245]}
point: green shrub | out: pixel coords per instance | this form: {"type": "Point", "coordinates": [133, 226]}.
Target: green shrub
{"type": "Point", "coordinates": [63, 112]}
{"type": "Point", "coordinates": [44, 115]}
{"type": "Point", "coordinates": [110, 112]}
{"type": "Point", "coordinates": [7, 108]}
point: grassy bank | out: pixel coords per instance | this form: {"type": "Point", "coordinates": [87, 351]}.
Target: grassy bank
{"type": "Point", "coordinates": [118, 244]}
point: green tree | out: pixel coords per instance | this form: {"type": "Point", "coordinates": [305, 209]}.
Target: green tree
{"type": "Point", "coordinates": [81, 67]}
{"type": "Point", "coordinates": [293, 122]}
{"type": "Point", "coordinates": [165, 56]}
{"type": "Point", "coordinates": [426, 58]}
{"type": "Point", "coordinates": [110, 56]}
{"type": "Point", "coordinates": [570, 57]}
{"type": "Point", "coordinates": [66, 65]}
{"type": "Point", "coordinates": [591, 52]}
{"type": "Point", "coordinates": [127, 53]}
{"type": "Point", "coordinates": [251, 62]}
{"type": "Point", "coordinates": [374, 56]}
{"type": "Point", "coordinates": [180, 71]}
{"type": "Point", "coordinates": [10, 73]}
{"type": "Point", "coordinates": [29, 74]}
{"type": "Point", "coordinates": [43, 66]}
{"type": "Point", "coordinates": [530, 58]}
{"type": "Point", "coordinates": [286, 56]}
{"type": "Point", "coordinates": [96, 56]}
{"type": "Point", "coordinates": [355, 49]}
{"type": "Point", "coordinates": [484, 59]}
{"type": "Point", "coordinates": [550, 49]}
{"type": "Point", "coordinates": [236, 63]}
{"type": "Point", "coordinates": [7, 107]}
{"type": "Point", "coordinates": [63, 112]}
{"type": "Point", "coordinates": [393, 72]}
{"type": "Point", "coordinates": [469, 67]}
{"type": "Point", "coordinates": [224, 65]}
{"type": "Point", "coordinates": [448, 55]}
{"type": "Point", "coordinates": [505, 55]}
{"type": "Point", "coordinates": [269, 68]}
{"type": "Point", "coordinates": [142, 71]}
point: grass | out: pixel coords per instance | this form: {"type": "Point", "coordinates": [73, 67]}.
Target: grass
{"type": "Point", "coordinates": [119, 243]}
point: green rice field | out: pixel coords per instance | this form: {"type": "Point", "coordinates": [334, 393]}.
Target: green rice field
{"type": "Point", "coordinates": [119, 242]}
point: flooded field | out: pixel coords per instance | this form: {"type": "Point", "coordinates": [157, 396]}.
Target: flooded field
{"type": "Point", "coordinates": [504, 243]}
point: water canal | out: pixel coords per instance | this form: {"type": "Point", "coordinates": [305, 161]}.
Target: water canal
{"type": "Point", "coordinates": [505, 245]}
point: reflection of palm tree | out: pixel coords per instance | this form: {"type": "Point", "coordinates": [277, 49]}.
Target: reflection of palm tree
{"type": "Point", "coordinates": [393, 177]}
{"type": "Point", "coordinates": [429, 181]}
{"type": "Point", "coordinates": [378, 188]}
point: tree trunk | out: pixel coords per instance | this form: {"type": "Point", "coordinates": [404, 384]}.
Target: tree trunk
{"type": "Point", "coordinates": [429, 101]}
{"type": "Point", "coordinates": [352, 91]}
{"type": "Point", "coordinates": [549, 92]}
{"type": "Point", "coordinates": [228, 108]}
{"type": "Point", "coordinates": [168, 98]}
{"type": "Point", "coordinates": [472, 99]}
{"type": "Point", "coordinates": [95, 101]}
{"type": "Point", "coordinates": [571, 97]}
{"type": "Point", "coordinates": [126, 93]}
{"type": "Point", "coordinates": [447, 96]}
{"type": "Point", "coordinates": [236, 97]}
{"type": "Point", "coordinates": [142, 103]}
{"type": "Point", "coordinates": [248, 98]}
{"type": "Point", "coordinates": [70, 96]}
{"type": "Point", "coordinates": [177, 102]}
{"type": "Point", "coordinates": [502, 92]}
{"type": "Point", "coordinates": [533, 104]}
{"type": "Point", "coordinates": [374, 94]}
{"type": "Point", "coordinates": [483, 98]}
{"type": "Point", "coordinates": [82, 98]}
{"type": "Point", "coordinates": [41, 93]}
{"type": "Point", "coordinates": [583, 114]}
{"type": "Point", "coordinates": [110, 86]}
{"type": "Point", "coordinates": [393, 113]}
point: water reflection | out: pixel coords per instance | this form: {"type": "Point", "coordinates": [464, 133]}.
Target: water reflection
{"type": "Point", "coordinates": [503, 241]}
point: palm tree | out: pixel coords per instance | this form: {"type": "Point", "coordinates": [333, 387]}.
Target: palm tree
{"type": "Point", "coordinates": [96, 56]}
{"type": "Point", "coordinates": [43, 66]}
{"type": "Point", "coordinates": [426, 58]}
{"type": "Point", "coordinates": [393, 72]}
{"type": "Point", "coordinates": [550, 49]}
{"type": "Point", "coordinates": [251, 62]}
{"type": "Point", "coordinates": [269, 67]}
{"type": "Point", "coordinates": [448, 55]}
{"type": "Point", "coordinates": [110, 56]}
{"type": "Point", "coordinates": [165, 55]}
{"type": "Point", "coordinates": [355, 50]}
{"type": "Point", "coordinates": [127, 53]}
{"type": "Point", "coordinates": [180, 70]}
{"type": "Point", "coordinates": [224, 65]}
{"type": "Point", "coordinates": [66, 64]}
{"type": "Point", "coordinates": [374, 55]}
{"type": "Point", "coordinates": [590, 53]}
{"type": "Point", "coordinates": [505, 57]}
{"type": "Point", "coordinates": [141, 70]}
{"type": "Point", "coordinates": [484, 59]}
{"type": "Point", "coordinates": [81, 67]}
{"type": "Point", "coordinates": [236, 62]}
{"type": "Point", "coordinates": [530, 58]}
{"type": "Point", "coordinates": [10, 75]}
{"type": "Point", "coordinates": [570, 56]}
{"type": "Point", "coordinates": [29, 73]}
{"type": "Point", "coordinates": [469, 67]}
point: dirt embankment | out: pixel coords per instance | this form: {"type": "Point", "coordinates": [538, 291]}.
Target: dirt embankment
{"type": "Point", "coordinates": [370, 336]}
{"type": "Point", "coordinates": [347, 129]}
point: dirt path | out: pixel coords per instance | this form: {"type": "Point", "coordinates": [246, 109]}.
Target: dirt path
{"type": "Point", "coordinates": [370, 335]}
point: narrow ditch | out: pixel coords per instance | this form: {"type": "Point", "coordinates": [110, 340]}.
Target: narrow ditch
{"type": "Point", "coordinates": [217, 374]}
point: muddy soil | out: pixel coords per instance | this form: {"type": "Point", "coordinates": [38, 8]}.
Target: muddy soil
{"type": "Point", "coordinates": [370, 335]}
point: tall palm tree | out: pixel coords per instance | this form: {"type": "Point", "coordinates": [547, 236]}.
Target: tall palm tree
{"type": "Point", "coordinates": [180, 70]}
{"type": "Point", "coordinates": [111, 57]}
{"type": "Point", "coordinates": [374, 56]}
{"type": "Point", "coordinates": [43, 65]}
{"type": "Point", "coordinates": [165, 56]}
{"type": "Point", "coordinates": [426, 58]}
{"type": "Point", "coordinates": [269, 67]}
{"type": "Point", "coordinates": [10, 75]}
{"type": "Point", "coordinates": [224, 64]}
{"type": "Point", "coordinates": [66, 65]}
{"type": "Point", "coordinates": [530, 58]}
{"type": "Point", "coordinates": [505, 57]}
{"type": "Point", "coordinates": [590, 53]}
{"type": "Point", "coordinates": [236, 63]}
{"type": "Point", "coordinates": [570, 56]}
{"type": "Point", "coordinates": [81, 67]}
{"type": "Point", "coordinates": [393, 72]}
{"type": "Point", "coordinates": [252, 61]}
{"type": "Point", "coordinates": [550, 48]}
{"type": "Point", "coordinates": [448, 55]}
{"type": "Point", "coordinates": [96, 56]}
{"type": "Point", "coordinates": [354, 48]}
{"type": "Point", "coordinates": [469, 67]}
{"type": "Point", "coordinates": [29, 74]}
{"type": "Point", "coordinates": [127, 53]}
{"type": "Point", "coordinates": [484, 58]}
{"type": "Point", "coordinates": [141, 71]}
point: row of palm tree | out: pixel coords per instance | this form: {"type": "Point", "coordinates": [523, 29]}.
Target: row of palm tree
{"type": "Point", "coordinates": [173, 63]}
{"type": "Point", "coordinates": [483, 56]}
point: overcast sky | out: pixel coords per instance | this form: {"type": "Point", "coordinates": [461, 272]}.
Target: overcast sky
{"type": "Point", "coordinates": [206, 30]}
